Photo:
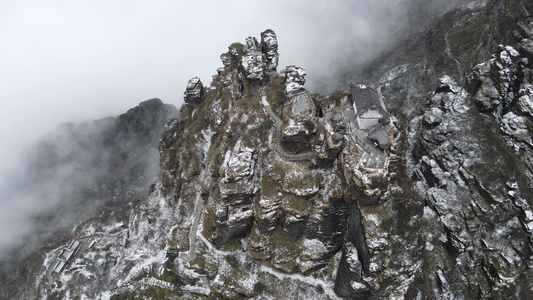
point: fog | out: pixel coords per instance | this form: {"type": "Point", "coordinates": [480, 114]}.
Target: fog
{"type": "Point", "coordinates": [73, 61]}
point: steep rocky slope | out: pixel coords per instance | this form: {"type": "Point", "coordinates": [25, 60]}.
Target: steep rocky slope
{"type": "Point", "coordinates": [414, 183]}
{"type": "Point", "coordinates": [80, 171]}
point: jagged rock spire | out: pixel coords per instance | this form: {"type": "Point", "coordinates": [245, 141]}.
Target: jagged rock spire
{"type": "Point", "coordinates": [269, 46]}
{"type": "Point", "coordinates": [252, 60]}
{"type": "Point", "coordinates": [295, 80]}
{"type": "Point", "coordinates": [260, 58]}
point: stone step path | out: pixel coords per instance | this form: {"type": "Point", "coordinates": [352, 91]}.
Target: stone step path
{"type": "Point", "coordinates": [194, 228]}
{"type": "Point", "coordinates": [158, 282]}
{"type": "Point", "coordinates": [169, 286]}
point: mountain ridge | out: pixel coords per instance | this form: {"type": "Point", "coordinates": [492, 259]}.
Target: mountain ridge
{"type": "Point", "coordinates": [416, 184]}
{"type": "Point", "coordinates": [80, 171]}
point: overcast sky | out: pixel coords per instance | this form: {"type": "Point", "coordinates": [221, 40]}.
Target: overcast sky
{"type": "Point", "coordinates": [80, 60]}
{"type": "Point", "coordinates": [66, 60]}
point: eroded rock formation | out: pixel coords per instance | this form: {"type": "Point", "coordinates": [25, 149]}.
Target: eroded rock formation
{"type": "Point", "coordinates": [278, 193]}
{"type": "Point", "coordinates": [194, 91]}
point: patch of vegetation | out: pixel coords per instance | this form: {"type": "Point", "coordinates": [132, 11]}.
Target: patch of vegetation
{"type": "Point", "coordinates": [239, 47]}
{"type": "Point", "coordinates": [217, 162]}
{"type": "Point", "coordinates": [285, 115]}
{"type": "Point", "coordinates": [248, 140]}
{"type": "Point", "coordinates": [171, 277]}
{"type": "Point", "coordinates": [243, 115]}
{"type": "Point", "coordinates": [277, 238]}
{"type": "Point", "coordinates": [334, 98]}
{"type": "Point", "coordinates": [387, 224]}
{"type": "Point", "coordinates": [296, 203]}
{"type": "Point", "coordinates": [209, 223]}
{"type": "Point", "coordinates": [183, 151]}
{"type": "Point", "coordinates": [437, 44]}
{"type": "Point", "coordinates": [319, 289]}
{"type": "Point", "coordinates": [199, 256]}
{"type": "Point", "coordinates": [185, 112]}
{"type": "Point", "coordinates": [275, 92]}
{"type": "Point", "coordinates": [200, 117]}
{"type": "Point", "coordinates": [464, 40]}
{"type": "Point", "coordinates": [231, 260]}
{"type": "Point", "coordinates": [224, 105]}
{"type": "Point", "coordinates": [279, 168]}
{"type": "Point", "coordinates": [259, 288]}
{"type": "Point", "coordinates": [264, 129]}
{"type": "Point", "coordinates": [309, 125]}
{"type": "Point", "coordinates": [242, 104]}
{"type": "Point", "coordinates": [231, 246]}
{"type": "Point", "coordinates": [214, 155]}
{"type": "Point", "coordinates": [301, 182]}
{"type": "Point", "coordinates": [269, 186]}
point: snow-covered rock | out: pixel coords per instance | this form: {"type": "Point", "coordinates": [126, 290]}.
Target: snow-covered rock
{"type": "Point", "coordinates": [194, 91]}
{"type": "Point", "coordinates": [294, 80]}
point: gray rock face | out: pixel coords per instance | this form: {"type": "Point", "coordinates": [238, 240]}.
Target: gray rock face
{"type": "Point", "coordinates": [234, 214]}
{"type": "Point", "coordinates": [298, 132]}
{"type": "Point", "coordinates": [496, 80]}
{"type": "Point", "coordinates": [468, 199]}
{"type": "Point", "coordinates": [433, 116]}
{"type": "Point", "coordinates": [260, 59]}
{"type": "Point", "coordinates": [294, 80]}
{"type": "Point", "coordinates": [252, 60]}
{"type": "Point", "coordinates": [193, 91]}
{"type": "Point", "coordinates": [517, 127]}
{"type": "Point", "coordinates": [269, 46]}
{"type": "Point", "coordinates": [252, 63]}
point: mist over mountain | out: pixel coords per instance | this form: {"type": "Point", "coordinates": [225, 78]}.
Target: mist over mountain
{"type": "Point", "coordinates": [80, 61]}
{"type": "Point", "coordinates": [80, 171]}
{"type": "Point", "coordinates": [395, 165]}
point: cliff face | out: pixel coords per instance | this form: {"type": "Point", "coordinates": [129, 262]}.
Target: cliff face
{"type": "Point", "coordinates": [415, 184]}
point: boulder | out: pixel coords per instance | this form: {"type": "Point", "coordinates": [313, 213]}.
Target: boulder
{"type": "Point", "coordinates": [525, 100]}
{"type": "Point", "coordinates": [294, 80]}
{"type": "Point", "coordinates": [269, 46]}
{"type": "Point", "coordinates": [517, 127]}
{"type": "Point", "coordinates": [433, 116]}
{"type": "Point", "coordinates": [194, 91]}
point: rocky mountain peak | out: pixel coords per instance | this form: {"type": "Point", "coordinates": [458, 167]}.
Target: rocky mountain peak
{"type": "Point", "coordinates": [414, 183]}
{"type": "Point", "coordinates": [256, 59]}
{"type": "Point", "coordinates": [254, 170]}
{"type": "Point", "coordinates": [270, 167]}
{"type": "Point", "coordinates": [269, 45]}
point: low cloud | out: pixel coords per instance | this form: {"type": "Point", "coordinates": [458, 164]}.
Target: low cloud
{"type": "Point", "coordinates": [74, 61]}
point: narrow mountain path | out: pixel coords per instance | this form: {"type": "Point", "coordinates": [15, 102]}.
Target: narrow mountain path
{"type": "Point", "coordinates": [197, 215]}
{"type": "Point", "coordinates": [450, 55]}
{"type": "Point", "coordinates": [194, 228]}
